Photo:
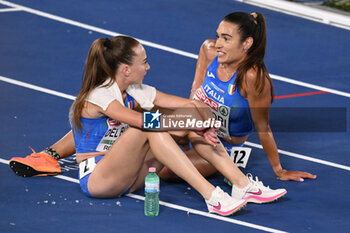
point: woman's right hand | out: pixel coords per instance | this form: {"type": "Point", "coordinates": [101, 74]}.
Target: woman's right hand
{"type": "Point", "coordinates": [210, 135]}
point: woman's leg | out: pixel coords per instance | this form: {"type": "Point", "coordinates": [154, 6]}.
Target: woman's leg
{"type": "Point", "coordinates": [120, 167]}
{"type": "Point", "coordinates": [201, 155]}
{"type": "Point", "coordinates": [150, 161]}
{"type": "Point", "coordinates": [202, 165]}
{"type": "Point", "coordinates": [45, 162]}
{"type": "Point", "coordinates": [123, 166]}
{"type": "Point", "coordinates": [243, 186]}
{"type": "Point", "coordinates": [65, 147]}
{"type": "Point", "coordinates": [219, 159]}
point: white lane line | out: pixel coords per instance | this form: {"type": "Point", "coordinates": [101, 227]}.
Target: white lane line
{"type": "Point", "coordinates": [157, 46]}
{"type": "Point", "coordinates": [95, 29]}
{"type": "Point", "coordinates": [4, 161]}
{"type": "Point", "coordinates": [9, 10]}
{"type": "Point", "coordinates": [304, 157]}
{"type": "Point", "coordinates": [178, 207]}
{"type": "Point", "coordinates": [37, 88]}
{"type": "Point", "coordinates": [206, 214]}
{"type": "Point", "coordinates": [312, 86]}
{"type": "Point", "coordinates": [66, 96]}
{"type": "Point", "coordinates": [67, 178]}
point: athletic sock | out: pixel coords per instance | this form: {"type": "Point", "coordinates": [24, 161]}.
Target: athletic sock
{"type": "Point", "coordinates": [52, 153]}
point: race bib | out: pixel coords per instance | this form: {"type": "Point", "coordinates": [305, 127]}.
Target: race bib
{"type": "Point", "coordinates": [115, 129]}
{"type": "Point", "coordinates": [220, 111]}
{"type": "Point", "coordinates": [86, 167]}
{"type": "Point", "coordinates": [240, 156]}
{"type": "Point", "coordinates": [222, 115]}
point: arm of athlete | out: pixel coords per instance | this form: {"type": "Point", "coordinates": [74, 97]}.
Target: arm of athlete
{"type": "Point", "coordinates": [206, 54]}
{"type": "Point", "coordinates": [196, 108]}
{"type": "Point", "coordinates": [117, 111]}
{"type": "Point", "coordinates": [259, 107]}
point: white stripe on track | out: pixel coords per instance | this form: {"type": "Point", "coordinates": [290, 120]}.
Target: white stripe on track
{"type": "Point", "coordinates": [206, 214]}
{"type": "Point", "coordinates": [157, 46]}
{"type": "Point", "coordinates": [4, 161]}
{"type": "Point", "coordinates": [67, 178]}
{"type": "Point", "coordinates": [9, 10]}
{"type": "Point", "coordinates": [304, 157]}
{"type": "Point", "coordinates": [95, 29]}
{"type": "Point", "coordinates": [312, 86]}
{"type": "Point", "coordinates": [181, 208]}
{"type": "Point", "coordinates": [66, 96]}
{"type": "Point", "coordinates": [37, 88]}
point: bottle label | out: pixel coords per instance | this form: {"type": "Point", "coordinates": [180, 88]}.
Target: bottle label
{"type": "Point", "coordinates": [151, 187]}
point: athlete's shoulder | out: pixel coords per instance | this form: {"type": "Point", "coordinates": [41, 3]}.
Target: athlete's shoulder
{"type": "Point", "coordinates": [252, 83]}
{"type": "Point", "coordinates": [250, 76]}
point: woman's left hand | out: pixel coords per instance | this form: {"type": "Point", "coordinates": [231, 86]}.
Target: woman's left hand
{"type": "Point", "coordinates": [210, 135]}
{"type": "Point", "coordinates": [295, 175]}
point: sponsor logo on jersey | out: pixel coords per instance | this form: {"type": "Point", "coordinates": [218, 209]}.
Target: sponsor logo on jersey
{"type": "Point", "coordinates": [217, 88]}
{"type": "Point", "coordinates": [219, 98]}
{"type": "Point", "coordinates": [112, 122]}
{"type": "Point", "coordinates": [200, 94]}
{"type": "Point", "coordinates": [223, 110]}
{"type": "Point", "coordinates": [210, 75]}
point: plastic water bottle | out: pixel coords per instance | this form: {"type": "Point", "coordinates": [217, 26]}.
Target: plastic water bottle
{"type": "Point", "coordinates": [152, 193]}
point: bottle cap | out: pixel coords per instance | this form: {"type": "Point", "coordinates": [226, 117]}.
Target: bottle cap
{"type": "Point", "coordinates": [152, 169]}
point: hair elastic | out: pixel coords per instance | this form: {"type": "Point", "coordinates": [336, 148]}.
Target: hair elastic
{"type": "Point", "coordinates": [255, 15]}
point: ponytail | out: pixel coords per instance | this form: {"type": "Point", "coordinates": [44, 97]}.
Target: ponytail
{"type": "Point", "coordinates": [252, 25]}
{"type": "Point", "coordinates": [103, 60]}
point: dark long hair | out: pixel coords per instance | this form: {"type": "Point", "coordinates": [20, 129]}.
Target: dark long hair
{"type": "Point", "coordinates": [252, 25]}
{"type": "Point", "coordinates": [104, 58]}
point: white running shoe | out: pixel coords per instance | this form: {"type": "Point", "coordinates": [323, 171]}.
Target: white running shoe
{"type": "Point", "coordinates": [256, 192]}
{"type": "Point", "coordinates": [223, 204]}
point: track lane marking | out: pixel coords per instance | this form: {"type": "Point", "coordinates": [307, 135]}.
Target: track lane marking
{"type": "Point", "coordinates": [9, 10]}
{"type": "Point", "coordinates": [300, 95]}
